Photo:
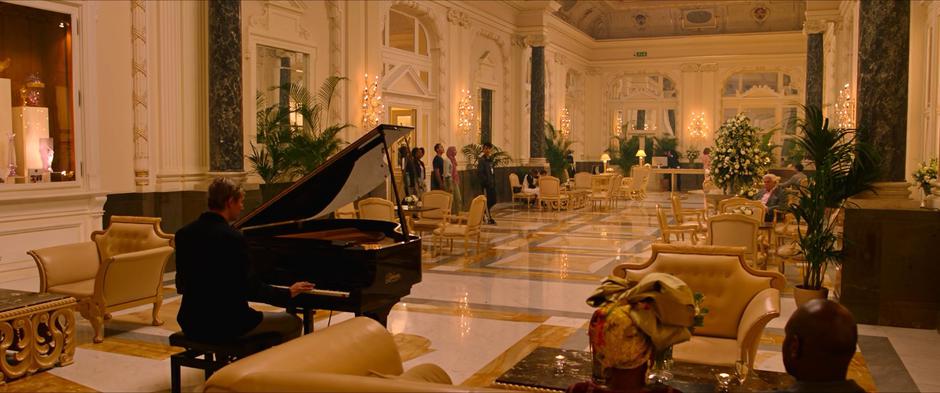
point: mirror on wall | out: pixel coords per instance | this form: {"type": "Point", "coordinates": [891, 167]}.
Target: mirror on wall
{"type": "Point", "coordinates": [278, 68]}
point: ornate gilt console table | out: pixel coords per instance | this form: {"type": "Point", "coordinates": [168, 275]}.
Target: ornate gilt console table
{"type": "Point", "coordinates": [37, 331]}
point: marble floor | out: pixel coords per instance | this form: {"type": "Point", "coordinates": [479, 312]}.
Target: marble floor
{"type": "Point", "coordinates": [476, 315]}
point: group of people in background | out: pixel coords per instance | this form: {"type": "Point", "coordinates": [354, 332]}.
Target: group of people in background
{"type": "Point", "coordinates": [443, 176]}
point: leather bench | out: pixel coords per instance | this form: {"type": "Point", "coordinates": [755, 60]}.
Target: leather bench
{"type": "Point", "coordinates": [214, 355]}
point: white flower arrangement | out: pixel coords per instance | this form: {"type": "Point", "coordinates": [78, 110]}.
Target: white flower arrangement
{"type": "Point", "coordinates": [411, 199]}
{"type": "Point", "coordinates": [926, 173]}
{"type": "Point", "coordinates": [738, 160]}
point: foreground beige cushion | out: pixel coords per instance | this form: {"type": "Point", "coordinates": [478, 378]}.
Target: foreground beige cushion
{"type": "Point", "coordinates": [741, 300]}
{"type": "Point", "coordinates": [357, 355]}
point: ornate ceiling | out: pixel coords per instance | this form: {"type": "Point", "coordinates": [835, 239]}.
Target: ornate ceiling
{"type": "Point", "coordinates": [611, 19]}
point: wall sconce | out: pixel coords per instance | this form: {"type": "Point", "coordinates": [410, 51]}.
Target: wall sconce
{"type": "Point", "coordinates": [845, 108]}
{"type": "Point", "coordinates": [565, 123]}
{"type": "Point", "coordinates": [465, 113]}
{"type": "Point", "coordinates": [698, 128]}
{"type": "Point", "coordinates": [372, 106]}
{"type": "Point", "coordinates": [618, 124]}
{"type": "Point", "coordinates": [641, 154]}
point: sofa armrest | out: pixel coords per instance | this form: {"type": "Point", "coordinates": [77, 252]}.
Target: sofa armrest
{"type": "Point", "coordinates": [132, 276]}
{"type": "Point", "coordinates": [65, 264]}
{"type": "Point", "coordinates": [308, 381]}
{"type": "Point", "coordinates": [764, 307]}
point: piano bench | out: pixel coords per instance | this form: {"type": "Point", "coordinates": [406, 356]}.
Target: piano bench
{"type": "Point", "coordinates": [214, 355]}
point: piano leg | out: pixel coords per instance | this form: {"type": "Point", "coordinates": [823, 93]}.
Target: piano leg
{"type": "Point", "coordinates": [308, 319]}
{"type": "Point", "coordinates": [379, 314]}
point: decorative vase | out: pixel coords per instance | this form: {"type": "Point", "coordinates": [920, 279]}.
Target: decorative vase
{"type": "Point", "coordinates": [924, 195]}
{"type": "Point", "coordinates": [662, 363]}
{"type": "Point", "coordinates": [802, 295]}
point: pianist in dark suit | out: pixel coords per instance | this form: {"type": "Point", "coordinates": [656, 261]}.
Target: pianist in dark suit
{"type": "Point", "coordinates": [212, 274]}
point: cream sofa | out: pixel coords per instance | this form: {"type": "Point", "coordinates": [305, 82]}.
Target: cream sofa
{"type": "Point", "coordinates": [119, 268]}
{"type": "Point", "coordinates": [741, 300]}
{"type": "Point", "coordinates": [357, 355]}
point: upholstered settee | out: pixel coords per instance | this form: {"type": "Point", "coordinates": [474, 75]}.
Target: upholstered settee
{"type": "Point", "coordinates": [357, 355]}
{"type": "Point", "coordinates": [119, 268]}
{"type": "Point", "coordinates": [741, 300]}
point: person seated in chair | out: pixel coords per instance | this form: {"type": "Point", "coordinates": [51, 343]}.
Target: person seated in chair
{"type": "Point", "coordinates": [818, 347]}
{"type": "Point", "coordinates": [771, 196]}
{"type": "Point", "coordinates": [530, 183]}
{"type": "Point", "coordinates": [212, 274]}
{"type": "Point", "coordinates": [797, 177]}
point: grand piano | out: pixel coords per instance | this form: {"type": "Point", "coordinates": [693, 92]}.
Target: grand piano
{"type": "Point", "coordinates": [359, 266]}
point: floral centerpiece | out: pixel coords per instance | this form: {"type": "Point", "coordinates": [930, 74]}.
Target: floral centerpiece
{"type": "Point", "coordinates": [738, 160]}
{"type": "Point", "coordinates": [411, 200]}
{"type": "Point", "coordinates": [692, 154]}
{"type": "Point", "coordinates": [925, 174]}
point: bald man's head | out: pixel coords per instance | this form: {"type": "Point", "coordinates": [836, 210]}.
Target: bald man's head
{"type": "Point", "coordinates": [820, 341]}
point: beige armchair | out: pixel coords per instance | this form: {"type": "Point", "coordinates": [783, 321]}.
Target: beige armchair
{"type": "Point", "coordinates": [514, 184]}
{"type": "Point", "coordinates": [741, 300]}
{"type": "Point", "coordinates": [470, 229]}
{"type": "Point", "coordinates": [120, 268]}
{"type": "Point", "coordinates": [550, 194]}
{"type": "Point", "coordinates": [357, 355]}
{"type": "Point", "coordinates": [735, 230]}
{"type": "Point", "coordinates": [377, 209]}
{"type": "Point", "coordinates": [428, 221]}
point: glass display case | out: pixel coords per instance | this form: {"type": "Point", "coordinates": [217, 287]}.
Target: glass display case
{"type": "Point", "coordinates": [37, 130]}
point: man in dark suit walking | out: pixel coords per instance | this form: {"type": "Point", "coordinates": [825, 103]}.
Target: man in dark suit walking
{"type": "Point", "coordinates": [487, 174]}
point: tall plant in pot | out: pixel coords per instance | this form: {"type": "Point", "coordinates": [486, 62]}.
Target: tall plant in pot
{"type": "Point", "coordinates": [845, 166]}
{"type": "Point", "coordinates": [293, 138]}
{"type": "Point", "coordinates": [557, 149]}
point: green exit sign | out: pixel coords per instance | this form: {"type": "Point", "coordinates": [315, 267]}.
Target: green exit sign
{"type": "Point", "coordinates": [639, 53]}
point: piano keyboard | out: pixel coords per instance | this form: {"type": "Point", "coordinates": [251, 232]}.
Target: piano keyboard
{"type": "Point", "coordinates": [321, 292]}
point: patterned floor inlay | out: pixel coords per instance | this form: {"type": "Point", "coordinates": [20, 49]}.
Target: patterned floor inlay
{"type": "Point", "coordinates": [476, 314]}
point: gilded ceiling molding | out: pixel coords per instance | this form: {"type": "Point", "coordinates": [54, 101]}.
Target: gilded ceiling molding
{"type": "Point", "coordinates": [458, 18]}
{"type": "Point", "coordinates": [141, 111]}
{"type": "Point", "coordinates": [518, 40]}
{"type": "Point", "coordinates": [536, 40]}
{"type": "Point", "coordinates": [815, 26]}
{"type": "Point", "coordinates": [709, 67]}
{"type": "Point", "coordinates": [690, 67]}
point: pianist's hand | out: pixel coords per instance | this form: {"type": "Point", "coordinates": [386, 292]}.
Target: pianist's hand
{"type": "Point", "coordinates": [300, 287]}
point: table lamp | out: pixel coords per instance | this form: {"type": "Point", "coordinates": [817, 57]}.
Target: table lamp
{"type": "Point", "coordinates": [605, 157]}
{"type": "Point", "coordinates": [641, 154]}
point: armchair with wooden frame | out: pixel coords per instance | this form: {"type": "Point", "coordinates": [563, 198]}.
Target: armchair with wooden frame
{"type": "Point", "coordinates": [428, 221]}
{"type": "Point", "coordinates": [683, 215]}
{"type": "Point", "coordinates": [679, 230]}
{"type": "Point", "coordinates": [515, 184]}
{"type": "Point", "coordinates": [740, 304]}
{"type": "Point", "coordinates": [471, 228]}
{"type": "Point", "coordinates": [735, 230]}
{"type": "Point", "coordinates": [120, 267]}
{"type": "Point", "coordinates": [550, 194]}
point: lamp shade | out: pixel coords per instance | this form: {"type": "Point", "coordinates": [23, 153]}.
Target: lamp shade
{"type": "Point", "coordinates": [605, 157]}
{"type": "Point", "coordinates": [641, 153]}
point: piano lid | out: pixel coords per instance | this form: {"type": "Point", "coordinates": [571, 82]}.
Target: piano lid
{"type": "Point", "coordinates": [343, 178]}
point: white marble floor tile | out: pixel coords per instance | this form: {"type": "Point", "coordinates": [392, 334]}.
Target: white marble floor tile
{"type": "Point", "coordinates": [614, 230]}
{"type": "Point", "coordinates": [566, 322]}
{"type": "Point", "coordinates": [572, 243]}
{"type": "Point", "coordinates": [561, 262]}
{"type": "Point", "coordinates": [461, 344]}
{"type": "Point", "coordinates": [111, 372]}
{"type": "Point", "coordinates": [512, 292]}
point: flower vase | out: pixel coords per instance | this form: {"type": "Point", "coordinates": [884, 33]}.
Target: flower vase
{"type": "Point", "coordinates": [924, 194]}
{"type": "Point", "coordinates": [662, 362]}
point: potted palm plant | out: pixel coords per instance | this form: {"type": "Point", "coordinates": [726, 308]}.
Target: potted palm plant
{"type": "Point", "coordinates": [845, 166]}
{"type": "Point", "coordinates": [623, 154]}
{"type": "Point", "coordinates": [557, 149]}
{"type": "Point", "coordinates": [294, 139]}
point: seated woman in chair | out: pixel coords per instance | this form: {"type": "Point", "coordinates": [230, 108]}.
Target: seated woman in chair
{"type": "Point", "coordinates": [530, 183]}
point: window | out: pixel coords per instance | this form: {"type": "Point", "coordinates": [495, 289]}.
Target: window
{"type": "Point", "coordinates": [406, 33]}
{"type": "Point", "coordinates": [278, 70]}
{"type": "Point", "coordinates": [643, 102]}
{"type": "Point", "coordinates": [769, 99]}
{"type": "Point", "coordinates": [37, 97]}
{"type": "Point", "coordinates": [486, 115]}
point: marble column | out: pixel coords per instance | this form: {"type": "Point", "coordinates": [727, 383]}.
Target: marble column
{"type": "Point", "coordinates": [814, 69]}
{"type": "Point", "coordinates": [537, 104]}
{"type": "Point", "coordinates": [884, 32]}
{"type": "Point", "coordinates": [225, 87]}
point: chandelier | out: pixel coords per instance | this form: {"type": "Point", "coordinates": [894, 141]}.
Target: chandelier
{"type": "Point", "coordinates": [565, 123]}
{"type": "Point", "coordinates": [698, 128]}
{"type": "Point", "coordinates": [465, 113]}
{"type": "Point", "coordinates": [372, 107]}
{"type": "Point", "coordinates": [845, 108]}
